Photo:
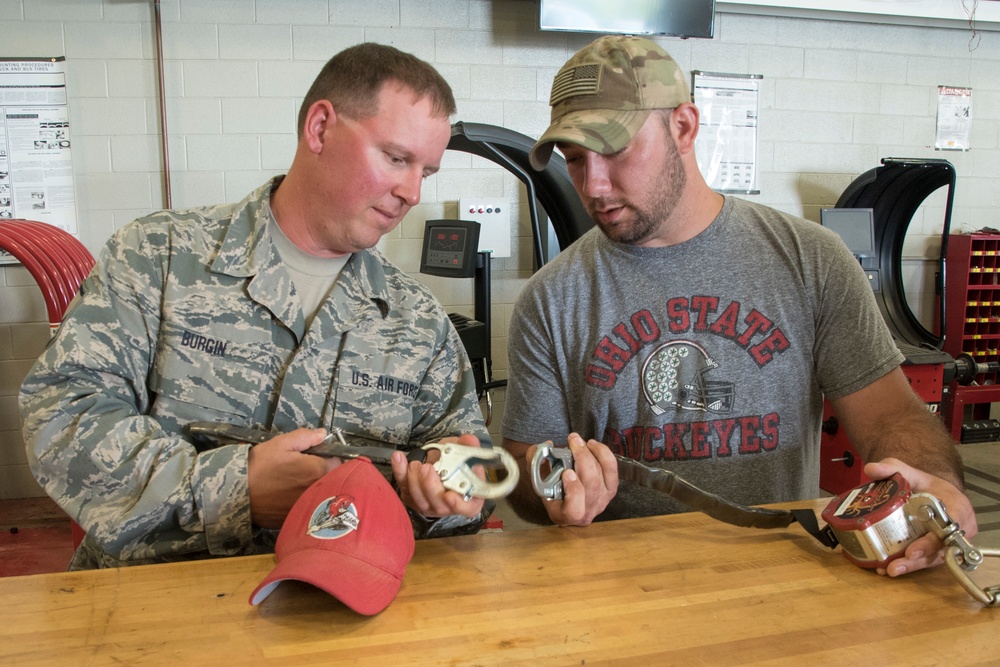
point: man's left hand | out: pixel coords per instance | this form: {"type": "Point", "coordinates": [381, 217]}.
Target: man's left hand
{"type": "Point", "coordinates": [926, 551]}
{"type": "Point", "coordinates": [420, 486]}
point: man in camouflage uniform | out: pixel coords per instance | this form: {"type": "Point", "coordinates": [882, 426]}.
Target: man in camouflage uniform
{"type": "Point", "coordinates": [275, 313]}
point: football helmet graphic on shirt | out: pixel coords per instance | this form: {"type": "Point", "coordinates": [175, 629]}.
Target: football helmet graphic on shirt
{"type": "Point", "coordinates": [674, 375]}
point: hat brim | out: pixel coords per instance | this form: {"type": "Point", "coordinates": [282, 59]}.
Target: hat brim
{"type": "Point", "coordinates": [362, 586]}
{"type": "Point", "coordinates": [603, 131]}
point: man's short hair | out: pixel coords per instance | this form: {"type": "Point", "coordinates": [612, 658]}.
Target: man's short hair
{"type": "Point", "coordinates": [353, 78]}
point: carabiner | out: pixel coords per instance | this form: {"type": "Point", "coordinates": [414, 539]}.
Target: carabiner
{"type": "Point", "coordinates": [455, 468]}
{"type": "Point", "coordinates": [559, 459]}
{"type": "Point", "coordinates": [960, 556]}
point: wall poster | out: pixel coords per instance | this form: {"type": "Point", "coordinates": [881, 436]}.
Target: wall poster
{"type": "Point", "coordinates": [36, 170]}
{"type": "Point", "coordinates": [954, 118]}
{"type": "Point", "coordinates": [726, 148]}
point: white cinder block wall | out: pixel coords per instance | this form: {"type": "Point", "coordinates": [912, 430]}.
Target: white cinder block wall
{"type": "Point", "coordinates": [836, 97]}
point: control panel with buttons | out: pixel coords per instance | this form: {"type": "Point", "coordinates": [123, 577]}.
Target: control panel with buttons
{"type": "Point", "coordinates": [493, 214]}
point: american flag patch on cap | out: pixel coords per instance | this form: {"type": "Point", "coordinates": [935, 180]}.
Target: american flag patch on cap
{"type": "Point", "coordinates": [581, 80]}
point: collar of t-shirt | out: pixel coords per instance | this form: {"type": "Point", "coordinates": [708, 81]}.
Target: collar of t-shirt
{"type": "Point", "coordinates": [312, 276]}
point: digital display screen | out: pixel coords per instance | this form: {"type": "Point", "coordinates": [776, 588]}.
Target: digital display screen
{"type": "Point", "coordinates": [450, 248]}
{"type": "Point", "coordinates": [854, 225]}
{"type": "Point", "coordinates": [446, 247]}
{"type": "Point", "coordinates": [678, 18]}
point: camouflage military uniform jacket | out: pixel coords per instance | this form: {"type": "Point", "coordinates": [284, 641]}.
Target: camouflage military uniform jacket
{"type": "Point", "coordinates": [191, 315]}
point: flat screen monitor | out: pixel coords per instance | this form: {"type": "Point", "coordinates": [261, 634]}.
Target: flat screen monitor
{"type": "Point", "coordinates": [677, 18]}
{"type": "Point", "coordinates": [856, 226]}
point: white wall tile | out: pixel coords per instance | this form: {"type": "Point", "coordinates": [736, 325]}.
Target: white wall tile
{"type": "Point", "coordinates": [881, 67]}
{"type": "Point", "coordinates": [535, 49]}
{"type": "Point", "coordinates": [295, 12]}
{"type": "Point", "coordinates": [251, 115]}
{"type": "Point", "coordinates": [907, 100]}
{"type": "Point", "coordinates": [369, 13]}
{"type": "Point", "coordinates": [105, 116]}
{"type": "Point", "coordinates": [92, 153]}
{"type": "Point", "coordinates": [5, 329]}
{"type": "Point", "coordinates": [190, 41]}
{"type": "Point", "coordinates": [220, 153]}
{"type": "Point", "coordinates": [132, 78]}
{"type": "Point", "coordinates": [241, 183]}
{"type": "Point", "coordinates": [277, 151]}
{"type": "Point", "coordinates": [12, 452]}
{"type": "Point", "coordinates": [774, 61]}
{"type": "Point", "coordinates": [873, 129]}
{"type": "Point", "coordinates": [817, 126]}
{"type": "Point", "coordinates": [321, 43]}
{"type": "Point", "coordinates": [934, 72]}
{"type": "Point", "coordinates": [812, 95]}
{"type": "Point", "coordinates": [136, 153]}
{"type": "Point", "coordinates": [194, 115]}
{"type": "Point", "coordinates": [834, 64]}
{"type": "Point", "coordinates": [286, 79]}
{"type": "Point", "coordinates": [103, 40]}
{"type": "Point", "coordinates": [20, 304]}
{"type": "Point", "coordinates": [503, 83]}
{"type": "Point", "coordinates": [219, 79]}
{"type": "Point", "coordinates": [31, 40]}
{"type": "Point", "coordinates": [86, 78]}
{"type": "Point", "coordinates": [985, 104]}
{"type": "Point", "coordinates": [198, 188]}
{"type": "Point", "coordinates": [216, 11]}
{"type": "Point", "coordinates": [418, 41]}
{"type": "Point", "coordinates": [255, 42]}
{"type": "Point", "coordinates": [471, 47]}
{"type": "Point", "coordinates": [17, 482]}
{"type": "Point", "coordinates": [113, 191]}
{"type": "Point", "coordinates": [61, 10]}
{"type": "Point", "coordinates": [446, 14]}
{"type": "Point", "coordinates": [459, 77]}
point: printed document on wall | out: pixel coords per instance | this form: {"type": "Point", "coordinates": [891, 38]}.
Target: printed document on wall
{"type": "Point", "coordinates": [36, 170]}
{"type": "Point", "coordinates": [954, 118]}
{"type": "Point", "coordinates": [726, 148]}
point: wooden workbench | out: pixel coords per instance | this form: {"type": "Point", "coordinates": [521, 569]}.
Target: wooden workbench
{"type": "Point", "coordinates": [675, 590]}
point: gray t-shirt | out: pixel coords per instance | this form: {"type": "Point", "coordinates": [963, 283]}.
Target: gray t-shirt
{"type": "Point", "coordinates": [709, 358]}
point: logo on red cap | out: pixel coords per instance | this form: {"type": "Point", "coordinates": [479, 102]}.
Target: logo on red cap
{"type": "Point", "coordinates": [333, 518]}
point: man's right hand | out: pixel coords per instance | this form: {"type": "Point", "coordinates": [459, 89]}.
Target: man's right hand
{"type": "Point", "coordinates": [587, 489]}
{"type": "Point", "coordinates": [279, 473]}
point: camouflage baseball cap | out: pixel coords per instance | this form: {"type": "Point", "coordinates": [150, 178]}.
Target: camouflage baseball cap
{"type": "Point", "coordinates": [604, 93]}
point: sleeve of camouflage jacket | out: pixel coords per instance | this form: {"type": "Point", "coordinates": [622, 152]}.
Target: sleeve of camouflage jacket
{"type": "Point", "coordinates": [140, 492]}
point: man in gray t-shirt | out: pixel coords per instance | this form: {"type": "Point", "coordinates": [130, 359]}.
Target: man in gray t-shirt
{"type": "Point", "coordinates": [694, 332]}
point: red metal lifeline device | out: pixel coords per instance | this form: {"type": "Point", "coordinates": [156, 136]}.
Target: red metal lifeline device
{"type": "Point", "coordinates": [875, 523]}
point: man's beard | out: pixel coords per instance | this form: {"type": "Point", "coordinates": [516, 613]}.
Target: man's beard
{"type": "Point", "coordinates": [647, 220]}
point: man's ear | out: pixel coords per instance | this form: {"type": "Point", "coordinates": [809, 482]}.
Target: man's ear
{"type": "Point", "coordinates": [684, 126]}
{"type": "Point", "coordinates": [320, 116]}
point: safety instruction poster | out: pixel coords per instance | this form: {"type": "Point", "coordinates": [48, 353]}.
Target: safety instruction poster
{"type": "Point", "coordinates": [36, 170]}
{"type": "Point", "coordinates": [954, 118]}
{"type": "Point", "coordinates": [726, 148]}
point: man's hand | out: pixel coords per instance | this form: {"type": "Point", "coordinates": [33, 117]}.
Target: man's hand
{"type": "Point", "coordinates": [928, 550]}
{"type": "Point", "coordinates": [420, 486]}
{"type": "Point", "coordinates": [279, 472]}
{"type": "Point", "coordinates": [588, 488]}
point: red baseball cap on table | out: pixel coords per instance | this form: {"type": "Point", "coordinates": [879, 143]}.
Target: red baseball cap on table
{"type": "Point", "coordinates": [349, 535]}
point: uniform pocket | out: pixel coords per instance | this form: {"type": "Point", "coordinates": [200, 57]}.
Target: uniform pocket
{"type": "Point", "coordinates": [374, 403]}
{"type": "Point", "coordinates": [208, 376]}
